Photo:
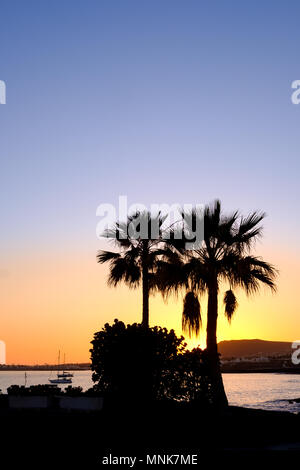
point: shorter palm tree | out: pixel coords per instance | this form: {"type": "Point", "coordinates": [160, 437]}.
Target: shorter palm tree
{"type": "Point", "coordinates": [136, 261]}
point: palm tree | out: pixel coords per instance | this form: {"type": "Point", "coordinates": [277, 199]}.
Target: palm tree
{"type": "Point", "coordinates": [224, 256]}
{"type": "Point", "coordinates": [136, 261]}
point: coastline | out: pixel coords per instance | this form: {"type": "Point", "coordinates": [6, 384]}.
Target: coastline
{"type": "Point", "coordinates": [87, 366]}
{"type": "Point", "coordinates": [261, 371]}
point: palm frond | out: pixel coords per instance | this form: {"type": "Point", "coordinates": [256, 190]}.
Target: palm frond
{"type": "Point", "coordinates": [212, 216]}
{"type": "Point", "coordinates": [264, 278]}
{"type": "Point", "coordinates": [191, 315]}
{"type": "Point", "coordinates": [197, 271]}
{"type": "Point", "coordinates": [118, 234]}
{"type": "Point", "coordinates": [248, 231]}
{"type": "Point", "coordinates": [124, 270]}
{"type": "Point", "coordinates": [250, 222]}
{"type": "Point", "coordinates": [106, 256]}
{"type": "Point", "coordinates": [171, 277]}
{"type": "Point", "coordinates": [175, 239]}
{"type": "Point", "coordinates": [249, 272]}
{"type": "Point", "coordinates": [230, 304]}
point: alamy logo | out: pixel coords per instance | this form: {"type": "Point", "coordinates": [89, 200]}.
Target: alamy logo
{"type": "Point", "coordinates": [296, 354]}
{"type": "Point", "coordinates": [295, 96]}
{"type": "Point", "coordinates": [187, 221]}
{"type": "Point", "coordinates": [2, 352]}
{"type": "Point", "coordinates": [2, 92]}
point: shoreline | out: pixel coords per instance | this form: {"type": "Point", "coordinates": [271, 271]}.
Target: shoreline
{"type": "Point", "coordinates": [87, 368]}
{"type": "Point", "coordinates": [262, 371]}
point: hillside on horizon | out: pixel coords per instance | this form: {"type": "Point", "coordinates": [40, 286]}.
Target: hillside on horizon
{"type": "Point", "coordinates": [249, 347]}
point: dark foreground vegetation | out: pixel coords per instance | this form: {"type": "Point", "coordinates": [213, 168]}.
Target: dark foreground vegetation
{"type": "Point", "coordinates": [137, 365]}
{"type": "Point", "coordinates": [157, 401]}
{"type": "Point", "coordinates": [163, 259]}
{"type": "Point", "coordinates": [82, 438]}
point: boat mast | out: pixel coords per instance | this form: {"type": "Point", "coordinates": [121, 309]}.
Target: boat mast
{"type": "Point", "coordinates": [58, 361]}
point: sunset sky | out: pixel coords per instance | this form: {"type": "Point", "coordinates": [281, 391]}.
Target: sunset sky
{"type": "Point", "coordinates": [165, 102]}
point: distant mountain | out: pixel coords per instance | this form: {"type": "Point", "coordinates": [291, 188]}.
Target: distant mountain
{"type": "Point", "coordinates": [249, 347]}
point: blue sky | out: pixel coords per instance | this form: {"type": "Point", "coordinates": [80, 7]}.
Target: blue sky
{"type": "Point", "coordinates": [162, 101]}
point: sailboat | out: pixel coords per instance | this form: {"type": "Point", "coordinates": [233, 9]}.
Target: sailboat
{"type": "Point", "coordinates": [64, 373]}
{"type": "Point", "coordinates": [60, 379]}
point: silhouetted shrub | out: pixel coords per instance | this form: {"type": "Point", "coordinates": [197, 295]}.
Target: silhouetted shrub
{"type": "Point", "coordinates": [73, 391]}
{"type": "Point", "coordinates": [50, 390]}
{"type": "Point", "coordinates": [137, 363]}
{"type": "Point", "coordinates": [92, 392]}
{"type": "Point", "coordinates": [34, 390]}
{"type": "Point", "coordinates": [190, 372]}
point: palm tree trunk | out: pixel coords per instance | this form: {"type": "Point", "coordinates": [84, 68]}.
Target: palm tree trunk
{"type": "Point", "coordinates": [217, 386]}
{"type": "Point", "coordinates": [145, 281]}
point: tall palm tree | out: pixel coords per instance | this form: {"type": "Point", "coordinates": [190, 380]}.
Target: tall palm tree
{"type": "Point", "coordinates": [136, 261]}
{"type": "Point", "coordinates": [223, 257]}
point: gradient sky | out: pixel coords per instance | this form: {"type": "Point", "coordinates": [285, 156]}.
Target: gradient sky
{"type": "Point", "coordinates": [164, 102]}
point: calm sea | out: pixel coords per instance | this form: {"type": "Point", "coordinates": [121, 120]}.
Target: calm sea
{"type": "Point", "coordinates": [265, 391]}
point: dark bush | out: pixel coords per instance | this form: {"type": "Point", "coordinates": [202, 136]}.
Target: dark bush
{"type": "Point", "coordinates": [137, 364]}
{"type": "Point", "coordinates": [50, 390]}
{"type": "Point", "coordinates": [73, 391]}
{"type": "Point", "coordinates": [34, 390]}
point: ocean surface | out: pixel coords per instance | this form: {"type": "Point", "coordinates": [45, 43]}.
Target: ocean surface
{"type": "Point", "coordinates": [263, 391]}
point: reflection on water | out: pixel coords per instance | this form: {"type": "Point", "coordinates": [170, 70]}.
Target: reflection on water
{"type": "Point", "coordinates": [80, 379]}
{"type": "Point", "coordinates": [265, 391]}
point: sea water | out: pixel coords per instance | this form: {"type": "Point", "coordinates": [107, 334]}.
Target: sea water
{"type": "Point", "coordinates": [253, 390]}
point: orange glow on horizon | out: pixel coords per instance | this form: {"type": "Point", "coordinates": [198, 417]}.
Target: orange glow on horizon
{"type": "Point", "coordinates": [53, 301]}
